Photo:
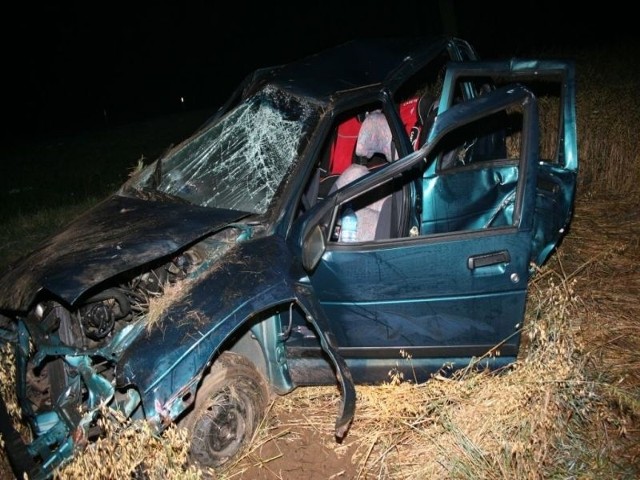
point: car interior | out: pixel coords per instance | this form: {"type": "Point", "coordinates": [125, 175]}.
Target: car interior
{"type": "Point", "coordinates": [471, 177]}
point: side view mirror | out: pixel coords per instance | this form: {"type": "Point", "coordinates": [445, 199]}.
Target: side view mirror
{"type": "Point", "coordinates": [313, 248]}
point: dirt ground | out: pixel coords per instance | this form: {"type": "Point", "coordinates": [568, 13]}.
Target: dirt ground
{"type": "Point", "coordinates": [299, 453]}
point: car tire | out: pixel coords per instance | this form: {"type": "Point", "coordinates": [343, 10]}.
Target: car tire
{"type": "Point", "coordinates": [229, 406]}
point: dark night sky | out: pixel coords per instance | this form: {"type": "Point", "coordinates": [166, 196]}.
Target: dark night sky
{"type": "Point", "coordinates": [66, 64]}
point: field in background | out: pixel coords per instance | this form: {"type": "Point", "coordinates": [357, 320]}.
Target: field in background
{"type": "Point", "coordinates": [569, 408]}
{"type": "Point", "coordinates": [45, 182]}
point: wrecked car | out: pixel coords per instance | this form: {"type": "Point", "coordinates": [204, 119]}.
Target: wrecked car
{"type": "Point", "coordinates": [378, 206]}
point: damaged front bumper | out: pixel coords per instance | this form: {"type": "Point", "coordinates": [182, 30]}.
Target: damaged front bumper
{"type": "Point", "coordinates": [61, 392]}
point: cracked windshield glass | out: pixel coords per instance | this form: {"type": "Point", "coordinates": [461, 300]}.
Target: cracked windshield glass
{"type": "Point", "coordinates": [239, 162]}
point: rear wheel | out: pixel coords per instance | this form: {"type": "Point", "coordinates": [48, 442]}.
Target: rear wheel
{"type": "Point", "coordinates": [228, 409]}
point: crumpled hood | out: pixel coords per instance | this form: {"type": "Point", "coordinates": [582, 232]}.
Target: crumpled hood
{"type": "Point", "coordinates": [116, 235]}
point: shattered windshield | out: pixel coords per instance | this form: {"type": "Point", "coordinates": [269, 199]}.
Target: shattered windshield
{"type": "Point", "coordinates": [239, 162]}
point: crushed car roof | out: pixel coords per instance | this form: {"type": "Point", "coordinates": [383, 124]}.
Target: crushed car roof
{"type": "Point", "coordinates": [353, 65]}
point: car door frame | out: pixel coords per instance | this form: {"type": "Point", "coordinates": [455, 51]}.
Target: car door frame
{"type": "Point", "coordinates": [556, 180]}
{"type": "Point", "coordinates": [314, 225]}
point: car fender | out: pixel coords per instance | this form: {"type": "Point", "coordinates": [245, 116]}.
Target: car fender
{"type": "Point", "coordinates": [167, 361]}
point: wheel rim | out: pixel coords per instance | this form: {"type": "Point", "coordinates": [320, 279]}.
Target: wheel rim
{"type": "Point", "coordinates": [228, 408]}
{"type": "Point", "coordinates": [223, 425]}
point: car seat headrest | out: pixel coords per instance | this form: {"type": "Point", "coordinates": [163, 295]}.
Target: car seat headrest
{"type": "Point", "coordinates": [375, 137]}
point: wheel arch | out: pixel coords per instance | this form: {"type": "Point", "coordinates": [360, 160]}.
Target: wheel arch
{"type": "Point", "coordinates": [261, 341]}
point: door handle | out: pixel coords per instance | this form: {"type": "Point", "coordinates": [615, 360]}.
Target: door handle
{"type": "Point", "coordinates": [488, 259]}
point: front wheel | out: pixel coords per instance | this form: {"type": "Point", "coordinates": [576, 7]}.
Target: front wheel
{"type": "Point", "coordinates": [229, 406]}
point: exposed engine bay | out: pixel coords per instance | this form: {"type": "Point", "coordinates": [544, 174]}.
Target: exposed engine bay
{"type": "Point", "coordinates": [94, 326]}
{"type": "Point", "coordinates": [103, 315]}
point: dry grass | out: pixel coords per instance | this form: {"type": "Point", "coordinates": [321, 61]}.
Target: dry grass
{"type": "Point", "coordinates": [608, 114]}
{"type": "Point", "coordinates": [7, 374]}
{"type": "Point", "coordinates": [157, 305]}
{"type": "Point", "coordinates": [131, 449]}
{"type": "Point", "coordinates": [604, 252]}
